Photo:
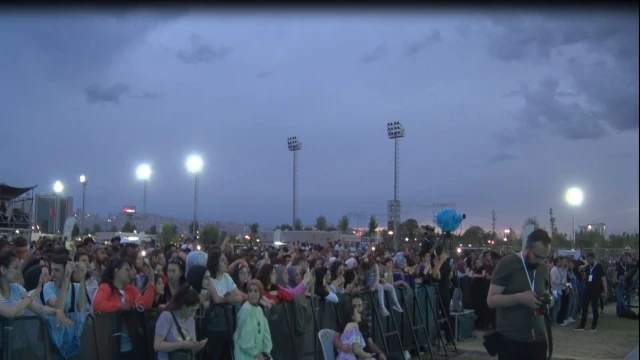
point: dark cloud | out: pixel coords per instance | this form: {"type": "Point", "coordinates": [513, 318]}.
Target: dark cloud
{"type": "Point", "coordinates": [604, 93]}
{"type": "Point", "coordinates": [502, 157]}
{"type": "Point", "coordinates": [374, 55]}
{"type": "Point", "coordinates": [109, 94]}
{"type": "Point", "coordinates": [202, 53]}
{"type": "Point", "coordinates": [417, 46]}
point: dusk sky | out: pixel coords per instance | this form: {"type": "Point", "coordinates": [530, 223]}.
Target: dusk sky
{"type": "Point", "coordinates": [502, 111]}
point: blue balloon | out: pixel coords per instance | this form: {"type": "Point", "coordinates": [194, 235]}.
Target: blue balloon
{"type": "Point", "coordinates": [448, 220]}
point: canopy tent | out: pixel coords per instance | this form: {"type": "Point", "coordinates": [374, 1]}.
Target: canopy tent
{"type": "Point", "coordinates": [8, 193]}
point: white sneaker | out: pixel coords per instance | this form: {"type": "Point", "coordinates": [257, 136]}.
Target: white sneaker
{"type": "Point", "coordinates": [566, 322]}
{"type": "Point", "coordinates": [571, 319]}
{"type": "Point", "coordinates": [407, 355]}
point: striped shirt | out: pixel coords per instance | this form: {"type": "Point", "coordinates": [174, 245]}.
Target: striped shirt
{"type": "Point", "coordinates": [15, 296]}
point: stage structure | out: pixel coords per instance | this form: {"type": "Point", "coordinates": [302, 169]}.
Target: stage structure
{"type": "Point", "coordinates": [16, 205]}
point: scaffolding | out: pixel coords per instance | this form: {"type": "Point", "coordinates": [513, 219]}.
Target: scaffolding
{"type": "Point", "coordinates": [16, 206]}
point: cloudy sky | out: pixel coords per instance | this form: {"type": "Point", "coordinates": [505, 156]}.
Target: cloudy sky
{"type": "Point", "coordinates": [503, 111]}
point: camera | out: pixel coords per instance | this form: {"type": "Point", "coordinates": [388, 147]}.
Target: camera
{"type": "Point", "coordinates": [545, 299]}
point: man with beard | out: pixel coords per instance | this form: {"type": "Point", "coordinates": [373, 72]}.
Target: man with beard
{"type": "Point", "coordinates": [99, 255]}
{"type": "Point", "coordinates": [518, 284]}
{"type": "Point", "coordinates": [60, 293]}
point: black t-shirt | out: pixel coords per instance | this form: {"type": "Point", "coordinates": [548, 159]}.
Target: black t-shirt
{"type": "Point", "coordinates": [444, 283]}
{"type": "Point", "coordinates": [594, 274]}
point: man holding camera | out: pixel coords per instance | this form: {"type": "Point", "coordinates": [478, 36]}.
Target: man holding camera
{"type": "Point", "coordinates": [520, 292]}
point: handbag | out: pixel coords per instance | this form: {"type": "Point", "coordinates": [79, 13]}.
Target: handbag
{"type": "Point", "coordinates": [179, 354]}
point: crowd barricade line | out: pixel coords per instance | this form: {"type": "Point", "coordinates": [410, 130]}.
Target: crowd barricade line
{"type": "Point", "coordinates": [294, 328]}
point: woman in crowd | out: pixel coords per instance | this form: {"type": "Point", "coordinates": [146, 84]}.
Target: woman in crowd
{"type": "Point", "coordinates": [116, 293]}
{"type": "Point", "coordinates": [269, 278]}
{"type": "Point", "coordinates": [351, 335]}
{"type": "Point", "coordinates": [174, 278]}
{"type": "Point", "coordinates": [252, 338]}
{"type": "Point", "coordinates": [479, 290]}
{"type": "Point", "coordinates": [336, 269]}
{"type": "Point", "coordinates": [321, 288]}
{"type": "Point", "coordinates": [372, 274]}
{"type": "Point", "coordinates": [283, 282]}
{"type": "Point", "coordinates": [176, 326]}
{"type": "Point", "coordinates": [240, 275]}
{"type": "Point", "coordinates": [157, 260]}
{"type": "Point", "coordinates": [158, 299]}
{"type": "Point", "coordinates": [351, 283]}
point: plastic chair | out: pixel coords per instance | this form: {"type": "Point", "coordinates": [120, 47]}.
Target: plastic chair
{"type": "Point", "coordinates": [326, 341]}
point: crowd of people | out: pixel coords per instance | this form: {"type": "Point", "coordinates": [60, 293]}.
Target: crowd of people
{"type": "Point", "coordinates": [66, 282]}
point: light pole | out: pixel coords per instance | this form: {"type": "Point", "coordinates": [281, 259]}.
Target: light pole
{"type": "Point", "coordinates": [574, 197]}
{"type": "Point", "coordinates": [395, 131]}
{"type": "Point", "coordinates": [57, 188]}
{"type": "Point", "coordinates": [506, 238]}
{"type": "Point", "coordinates": [83, 181]}
{"type": "Point", "coordinates": [143, 172]}
{"type": "Point", "coordinates": [194, 165]}
{"type": "Point", "coordinates": [294, 145]}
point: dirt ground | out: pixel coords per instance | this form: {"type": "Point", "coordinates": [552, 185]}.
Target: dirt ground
{"type": "Point", "coordinates": [614, 339]}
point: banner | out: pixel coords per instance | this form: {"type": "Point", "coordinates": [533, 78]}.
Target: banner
{"type": "Point", "coordinates": [68, 229]}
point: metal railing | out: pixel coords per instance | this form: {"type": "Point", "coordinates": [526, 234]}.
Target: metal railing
{"type": "Point", "coordinates": [294, 328]}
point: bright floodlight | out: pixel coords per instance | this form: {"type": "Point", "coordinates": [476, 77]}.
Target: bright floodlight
{"type": "Point", "coordinates": [58, 187]}
{"type": "Point", "coordinates": [194, 163]}
{"type": "Point", "coordinates": [395, 130]}
{"type": "Point", "coordinates": [143, 172]}
{"type": "Point", "coordinates": [574, 197]}
{"type": "Point", "coordinates": [293, 144]}
{"type": "Point", "coordinates": [83, 179]}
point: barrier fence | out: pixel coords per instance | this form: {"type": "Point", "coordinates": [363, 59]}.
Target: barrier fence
{"type": "Point", "coordinates": [294, 328]}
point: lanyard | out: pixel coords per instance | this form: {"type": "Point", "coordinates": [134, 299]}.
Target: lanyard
{"type": "Point", "coordinates": [624, 267]}
{"type": "Point", "coordinates": [532, 284]}
{"type": "Point", "coordinates": [592, 267]}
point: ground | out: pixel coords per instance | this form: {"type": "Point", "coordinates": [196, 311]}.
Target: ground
{"type": "Point", "coordinates": [614, 339]}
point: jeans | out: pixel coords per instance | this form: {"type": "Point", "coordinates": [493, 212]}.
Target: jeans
{"type": "Point", "coordinates": [593, 300]}
{"type": "Point", "coordinates": [622, 303]}
{"type": "Point", "coordinates": [557, 300]}
{"type": "Point", "coordinates": [580, 296]}
{"type": "Point", "coordinates": [571, 309]}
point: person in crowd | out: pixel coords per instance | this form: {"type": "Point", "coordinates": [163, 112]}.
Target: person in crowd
{"type": "Point", "coordinates": [351, 336]}
{"type": "Point", "coordinates": [594, 288]}
{"type": "Point", "coordinates": [157, 260]}
{"type": "Point", "coordinates": [479, 290]}
{"type": "Point", "coordinates": [61, 293]}
{"type": "Point", "coordinates": [442, 273]}
{"type": "Point", "coordinates": [283, 281]}
{"type": "Point", "coordinates": [351, 282]}
{"type": "Point", "coordinates": [175, 277]}
{"type": "Point", "coordinates": [240, 275]}
{"type": "Point", "coordinates": [175, 332]}
{"type": "Point", "coordinates": [19, 246]}
{"type": "Point", "coordinates": [373, 283]}
{"type": "Point", "coordinates": [116, 293]}
{"type": "Point", "coordinates": [518, 283]}
{"type": "Point", "coordinates": [336, 269]}
{"type": "Point", "coordinates": [624, 283]}
{"type": "Point", "coordinates": [388, 274]}
{"type": "Point", "coordinates": [158, 298]}
{"type": "Point", "coordinates": [268, 277]}
{"type": "Point", "coordinates": [558, 287]}
{"type": "Point", "coordinates": [321, 286]}
{"type": "Point", "coordinates": [252, 338]}
{"type": "Point", "coordinates": [195, 257]}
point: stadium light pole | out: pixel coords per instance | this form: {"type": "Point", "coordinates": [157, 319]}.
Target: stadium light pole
{"type": "Point", "coordinates": [83, 181]}
{"type": "Point", "coordinates": [574, 197]}
{"type": "Point", "coordinates": [395, 131]}
{"type": "Point", "coordinates": [57, 188]}
{"type": "Point", "coordinates": [143, 172]}
{"type": "Point", "coordinates": [194, 165]}
{"type": "Point", "coordinates": [294, 145]}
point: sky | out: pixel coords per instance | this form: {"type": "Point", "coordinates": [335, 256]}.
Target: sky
{"type": "Point", "coordinates": [503, 111]}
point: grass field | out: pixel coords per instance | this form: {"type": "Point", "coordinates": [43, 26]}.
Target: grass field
{"type": "Point", "coordinates": [614, 339]}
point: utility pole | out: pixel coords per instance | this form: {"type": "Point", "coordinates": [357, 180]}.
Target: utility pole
{"type": "Point", "coordinates": [493, 222]}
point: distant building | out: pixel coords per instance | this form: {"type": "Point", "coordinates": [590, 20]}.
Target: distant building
{"type": "Point", "coordinates": [45, 210]}
{"type": "Point", "coordinates": [598, 227]}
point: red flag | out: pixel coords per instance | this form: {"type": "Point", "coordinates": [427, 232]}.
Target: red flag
{"type": "Point", "coordinates": [52, 212]}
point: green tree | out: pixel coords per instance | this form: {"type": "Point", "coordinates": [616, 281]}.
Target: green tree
{"type": "Point", "coordinates": [343, 224]}
{"type": "Point", "coordinates": [589, 239]}
{"type": "Point", "coordinates": [128, 228]}
{"type": "Point", "coordinates": [191, 227]}
{"type": "Point", "coordinates": [321, 223]}
{"type": "Point", "coordinates": [87, 231]}
{"type": "Point", "coordinates": [297, 225]}
{"type": "Point", "coordinates": [284, 227]}
{"type": "Point", "coordinates": [75, 232]}
{"type": "Point", "coordinates": [96, 229]}
{"type": "Point", "coordinates": [168, 234]}
{"type": "Point", "coordinates": [210, 235]}
{"type": "Point", "coordinates": [255, 229]}
{"type": "Point", "coordinates": [532, 221]}
{"type": "Point", "coordinates": [113, 229]}
{"type": "Point", "coordinates": [373, 226]}
{"type": "Point", "coordinates": [474, 235]}
{"type": "Point", "coordinates": [560, 241]}
{"type": "Point", "coordinates": [153, 230]}
{"type": "Point", "coordinates": [411, 229]}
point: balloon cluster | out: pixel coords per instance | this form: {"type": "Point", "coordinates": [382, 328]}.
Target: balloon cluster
{"type": "Point", "coordinates": [448, 220]}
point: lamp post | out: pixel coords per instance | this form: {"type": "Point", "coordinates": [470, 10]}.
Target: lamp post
{"type": "Point", "coordinates": [506, 238]}
{"type": "Point", "coordinates": [294, 145]}
{"type": "Point", "coordinates": [83, 181]}
{"type": "Point", "coordinates": [395, 131]}
{"type": "Point", "coordinates": [143, 172]}
{"type": "Point", "coordinates": [574, 197]}
{"type": "Point", "coordinates": [57, 189]}
{"type": "Point", "coordinates": [194, 165]}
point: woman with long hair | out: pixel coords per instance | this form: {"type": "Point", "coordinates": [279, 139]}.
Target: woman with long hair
{"type": "Point", "coordinates": [116, 293]}
{"type": "Point", "coordinates": [175, 335]}
{"type": "Point", "coordinates": [252, 338]}
{"type": "Point", "coordinates": [372, 276]}
{"type": "Point", "coordinates": [336, 269]}
{"type": "Point", "coordinates": [240, 275]}
{"type": "Point", "coordinates": [175, 276]}
{"type": "Point", "coordinates": [321, 287]}
{"type": "Point", "coordinates": [283, 281]}
{"type": "Point", "coordinates": [351, 335]}
{"type": "Point", "coordinates": [269, 279]}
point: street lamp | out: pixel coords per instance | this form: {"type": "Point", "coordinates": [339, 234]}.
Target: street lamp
{"type": "Point", "coordinates": [194, 166]}
{"type": "Point", "coordinates": [143, 172]}
{"type": "Point", "coordinates": [83, 181]}
{"type": "Point", "coordinates": [574, 197]}
{"type": "Point", "coordinates": [57, 188]}
{"type": "Point", "coordinates": [395, 131]}
{"type": "Point", "coordinates": [294, 145]}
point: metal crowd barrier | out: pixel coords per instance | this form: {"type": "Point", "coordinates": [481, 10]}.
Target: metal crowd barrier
{"type": "Point", "coordinates": [294, 328]}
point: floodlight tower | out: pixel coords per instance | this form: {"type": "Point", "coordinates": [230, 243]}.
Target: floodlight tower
{"type": "Point", "coordinates": [143, 172]}
{"type": "Point", "coordinates": [57, 189]}
{"type": "Point", "coordinates": [83, 181]}
{"type": "Point", "coordinates": [574, 197]}
{"type": "Point", "coordinates": [194, 165]}
{"type": "Point", "coordinates": [294, 145]}
{"type": "Point", "coordinates": [395, 131]}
